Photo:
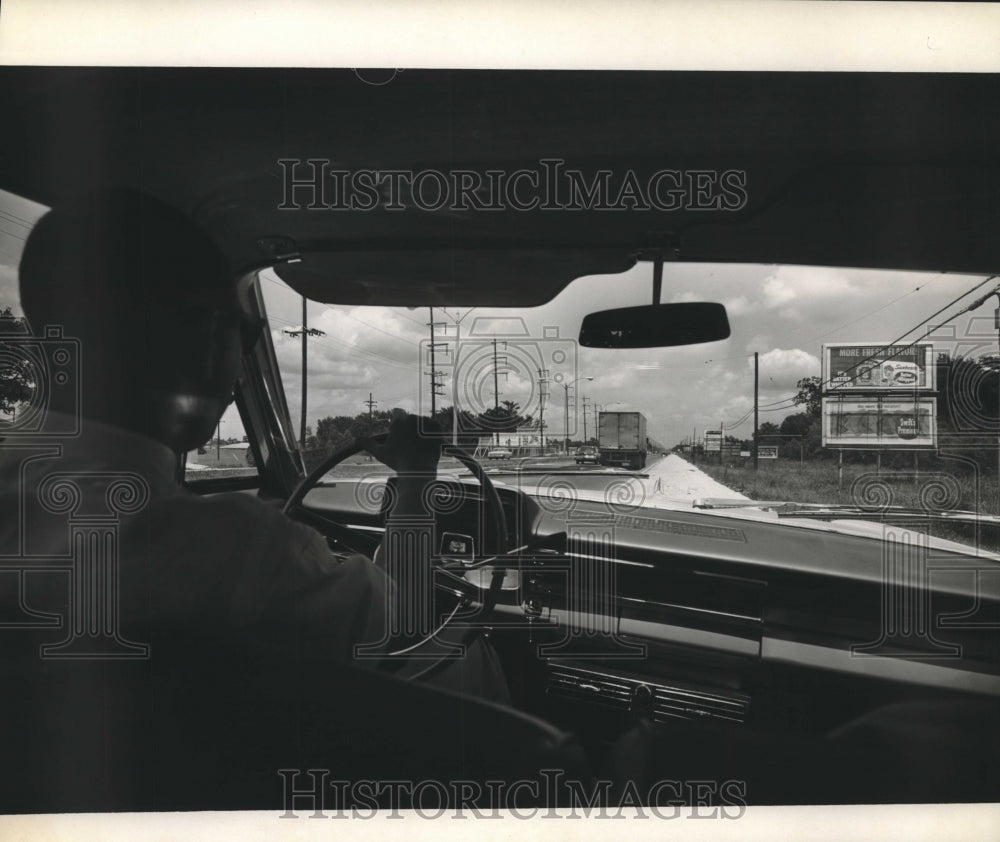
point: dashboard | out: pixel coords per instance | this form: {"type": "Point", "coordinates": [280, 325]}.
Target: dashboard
{"type": "Point", "coordinates": [611, 614]}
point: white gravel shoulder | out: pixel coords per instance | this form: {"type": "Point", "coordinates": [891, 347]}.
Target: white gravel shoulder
{"type": "Point", "coordinates": [675, 480]}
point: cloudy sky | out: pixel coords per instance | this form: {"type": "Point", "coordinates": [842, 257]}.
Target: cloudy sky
{"type": "Point", "coordinates": [785, 313]}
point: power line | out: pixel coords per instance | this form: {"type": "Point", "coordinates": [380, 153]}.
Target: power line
{"type": "Point", "coordinates": [284, 286]}
{"type": "Point", "coordinates": [873, 312]}
{"type": "Point", "coordinates": [954, 301]}
{"type": "Point", "coordinates": [788, 402]}
{"type": "Point", "coordinates": [357, 351]}
{"type": "Point", "coordinates": [740, 420]}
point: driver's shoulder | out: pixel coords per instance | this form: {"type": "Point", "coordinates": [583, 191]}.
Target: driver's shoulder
{"type": "Point", "coordinates": [237, 506]}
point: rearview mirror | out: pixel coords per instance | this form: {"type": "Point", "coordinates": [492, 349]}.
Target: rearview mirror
{"type": "Point", "coordinates": [655, 326]}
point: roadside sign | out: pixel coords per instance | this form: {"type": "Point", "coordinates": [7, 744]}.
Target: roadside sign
{"type": "Point", "coordinates": [874, 422]}
{"type": "Point", "coordinates": [713, 440]}
{"type": "Point", "coordinates": [868, 367]}
{"type": "Point", "coordinates": [767, 451]}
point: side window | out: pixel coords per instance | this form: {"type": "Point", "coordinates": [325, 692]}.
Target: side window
{"type": "Point", "coordinates": [227, 454]}
{"type": "Point", "coordinates": [256, 427]}
{"type": "Point", "coordinates": [20, 398]}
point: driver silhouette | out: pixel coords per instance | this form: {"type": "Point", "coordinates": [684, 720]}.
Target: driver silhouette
{"type": "Point", "coordinates": [153, 303]}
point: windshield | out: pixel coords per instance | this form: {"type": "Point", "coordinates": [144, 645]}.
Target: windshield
{"type": "Point", "coordinates": [871, 391]}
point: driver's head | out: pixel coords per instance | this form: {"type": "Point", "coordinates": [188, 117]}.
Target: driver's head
{"type": "Point", "coordinates": [153, 302]}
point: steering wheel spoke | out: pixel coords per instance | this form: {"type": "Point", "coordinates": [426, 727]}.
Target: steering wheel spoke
{"type": "Point", "coordinates": [475, 586]}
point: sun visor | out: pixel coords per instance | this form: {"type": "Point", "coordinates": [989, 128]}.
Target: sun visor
{"type": "Point", "coordinates": [447, 277]}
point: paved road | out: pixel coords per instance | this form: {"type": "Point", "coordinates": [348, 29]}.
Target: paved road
{"type": "Point", "coordinates": [666, 482]}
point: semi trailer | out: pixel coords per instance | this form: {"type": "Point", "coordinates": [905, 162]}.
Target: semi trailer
{"type": "Point", "coordinates": [621, 439]}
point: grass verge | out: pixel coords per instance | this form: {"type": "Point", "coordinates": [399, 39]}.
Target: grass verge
{"type": "Point", "coordinates": [818, 482]}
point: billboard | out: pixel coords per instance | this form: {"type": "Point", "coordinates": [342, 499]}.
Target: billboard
{"type": "Point", "coordinates": [713, 440]}
{"type": "Point", "coordinates": [857, 421]}
{"type": "Point", "coordinates": [875, 367]}
{"type": "Point", "coordinates": [767, 451]}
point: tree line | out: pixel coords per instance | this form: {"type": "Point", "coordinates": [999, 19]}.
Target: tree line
{"type": "Point", "coordinates": [336, 430]}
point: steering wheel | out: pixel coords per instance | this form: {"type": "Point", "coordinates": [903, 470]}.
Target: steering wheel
{"type": "Point", "coordinates": [450, 570]}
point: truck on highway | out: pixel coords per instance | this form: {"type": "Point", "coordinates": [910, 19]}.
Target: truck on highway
{"type": "Point", "coordinates": [621, 439]}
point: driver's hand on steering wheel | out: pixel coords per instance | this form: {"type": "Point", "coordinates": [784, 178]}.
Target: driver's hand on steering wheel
{"type": "Point", "coordinates": [412, 448]}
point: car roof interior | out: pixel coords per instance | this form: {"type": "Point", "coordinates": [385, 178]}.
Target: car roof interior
{"type": "Point", "coordinates": [849, 169]}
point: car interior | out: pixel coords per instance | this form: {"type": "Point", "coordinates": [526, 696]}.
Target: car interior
{"type": "Point", "coordinates": [720, 649]}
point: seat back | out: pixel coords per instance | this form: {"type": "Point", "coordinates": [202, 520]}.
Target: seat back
{"type": "Point", "coordinates": [211, 727]}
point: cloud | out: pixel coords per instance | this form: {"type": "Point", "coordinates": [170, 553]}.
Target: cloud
{"type": "Point", "coordinates": [739, 305]}
{"type": "Point", "coordinates": [781, 369]}
{"type": "Point", "coordinates": [684, 297]}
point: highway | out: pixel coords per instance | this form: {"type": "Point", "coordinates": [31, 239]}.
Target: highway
{"type": "Point", "coordinates": [666, 482]}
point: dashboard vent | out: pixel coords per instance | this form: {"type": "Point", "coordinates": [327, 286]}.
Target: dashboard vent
{"type": "Point", "coordinates": [674, 702]}
{"type": "Point", "coordinates": [591, 687]}
{"type": "Point", "coordinates": [663, 701]}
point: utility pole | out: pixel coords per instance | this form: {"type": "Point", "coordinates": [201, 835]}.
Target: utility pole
{"type": "Point", "coordinates": [584, 400]}
{"type": "Point", "coordinates": [542, 381]}
{"type": "Point", "coordinates": [371, 406]}
{"type": "Point", "coordinates": [305, 366]}
{"type": "Point", "coordinates": [566, 417]}
{"type": "Point", "coordinates": [434, 373]}
{"type": "Point", "coordinates": [457, 320]}
{"type": "Point", "coordinates": [566, 388]}
{"type": "Point", "coordinates": [304, 332]}
{"type": "Point", "coordinates": [756, 393]}
{"type": "Point", "coordinates": [496, 391]}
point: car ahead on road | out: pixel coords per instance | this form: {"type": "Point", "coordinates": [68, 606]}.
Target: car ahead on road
{"type": "Point", "coordinates": [587, 455]}
{"type": "Point", "coordinates": [805, 656]}
{"type": "Point", "coordinates": [498, 453]}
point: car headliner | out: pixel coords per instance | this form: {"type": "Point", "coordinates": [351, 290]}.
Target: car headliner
{"type": "Point", "coordinates": [890, 171]}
